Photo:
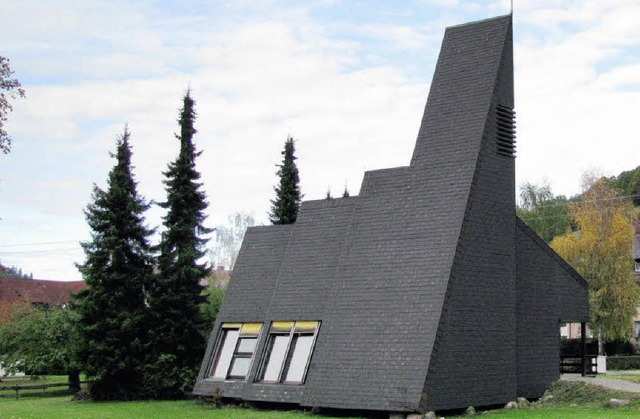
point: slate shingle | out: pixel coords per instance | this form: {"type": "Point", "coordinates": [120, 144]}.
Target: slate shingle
{"type": "Point", "coordinates": [416, 280]}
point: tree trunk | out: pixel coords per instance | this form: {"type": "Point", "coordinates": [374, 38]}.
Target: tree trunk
{"type": "Point", "coordinates": [74, 381]}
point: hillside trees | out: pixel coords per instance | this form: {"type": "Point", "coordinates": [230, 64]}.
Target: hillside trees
{"type": "Point", "coordinates": [601, 252]}
{"type": "Point", "coordinates": [545, 214]}
{"type": "Point", "coordinates": [117, 269]}
{"type": "Point", "coordinates": [10, 89]}
{"type": "Point", "coordinates": [628, 182]}
{"type": "Point", "coordinates": [178, 331]}
{"type": "Point", "coordinates": [284, 208]}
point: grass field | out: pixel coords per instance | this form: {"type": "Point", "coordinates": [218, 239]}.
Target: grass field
{"type": "Point", "coordinates": [62, 408]}
{"type": "Point", "coordinates": [570, 400]}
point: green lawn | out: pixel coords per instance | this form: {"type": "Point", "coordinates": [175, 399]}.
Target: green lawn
{"type": "Point", "coordinates": [570, 400]}
{"type": "Point", "coordinates": [61, 407]}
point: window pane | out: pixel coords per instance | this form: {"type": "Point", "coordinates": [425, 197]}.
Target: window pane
{"type": "Point", "coordinates": [247, 345]}
{"type": "Point", "coordinates": [226, 353]}
{"type": "Point", "coordinates": [240, 367]}
{"type": "Point", "coordinates": [276, 358]}
{"type": "Point", "coordinates": [301, 353]}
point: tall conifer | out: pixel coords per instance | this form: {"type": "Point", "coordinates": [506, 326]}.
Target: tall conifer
{"type": "Point", "coordinates": [117, 268]}
{"type": "Point", "coordinates": [178, 331]}
{"type": "Point", "coordinates": [284, 209]}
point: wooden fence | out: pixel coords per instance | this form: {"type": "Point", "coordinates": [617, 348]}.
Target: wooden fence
{"type": "Point", "coordinates": [18, 391]}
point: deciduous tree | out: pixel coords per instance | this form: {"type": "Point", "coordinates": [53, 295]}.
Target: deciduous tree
{"type": "Point", "coordinates": [118, 268]}
{"type": "Point", "coordinates": [229, 239]}
{"type": "Point", "coordinates": [178, 326]}
{"type": "Point", "coordinates": [284, 208]}
{"type": "Point", "coordinates": [41, 342]}
{"type": "Point", "coordinates": [545, 214]}
{"type": "Point", "coordinates": [601, 252]}
{"type": "Point", "coordinates": [10, 89]}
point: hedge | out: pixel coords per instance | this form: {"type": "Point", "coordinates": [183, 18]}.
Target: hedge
{"type": "Point", "coordinates": [623, 362]}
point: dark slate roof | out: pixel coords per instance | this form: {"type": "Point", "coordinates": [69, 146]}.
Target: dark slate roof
{"type": "Point", "coordinates": [552, 253]}
{"type": "Point", "coordinates": [414, 280]}
{"type": "Point", "coordinates": [38, 290]}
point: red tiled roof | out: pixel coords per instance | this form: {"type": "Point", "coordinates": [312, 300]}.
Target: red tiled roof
{"type": "Point", "coordinates": [38, 291]}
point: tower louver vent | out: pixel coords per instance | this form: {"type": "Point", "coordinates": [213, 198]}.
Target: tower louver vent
{"type": "Point", "coordinates": [506, 139]}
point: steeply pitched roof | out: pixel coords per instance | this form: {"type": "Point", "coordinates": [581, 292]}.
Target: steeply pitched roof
{"type": "Point", "coordinates": [38, 291]}
{"type": "Point", "coordinates": [414, 280]}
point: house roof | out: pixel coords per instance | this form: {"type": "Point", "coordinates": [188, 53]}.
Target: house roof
{"type": "Point", "coordinates": [38, 290]}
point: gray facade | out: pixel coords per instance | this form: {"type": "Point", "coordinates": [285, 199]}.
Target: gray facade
{"type": "Point", "coordinates": [429, 293]}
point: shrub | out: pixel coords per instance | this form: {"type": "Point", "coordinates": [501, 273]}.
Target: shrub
{"type": "Point", "coordinates": [623, 362]}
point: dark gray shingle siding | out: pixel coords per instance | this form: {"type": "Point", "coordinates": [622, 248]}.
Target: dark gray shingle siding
{"type": "Point", "coordinates": [548, 293]}
{"type": "Point", "coordinates": [414, 280]}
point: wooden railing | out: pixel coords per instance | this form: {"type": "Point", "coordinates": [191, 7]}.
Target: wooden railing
{"type": "Point", "coordinates": [28, 390]}
{"type": "Point", "coordinates": [573, 364]}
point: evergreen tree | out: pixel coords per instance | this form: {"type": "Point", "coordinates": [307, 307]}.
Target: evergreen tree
{"type": "Point", "coordinates": [117, 269]}
{"type": "Point", "coordinates": [179, 330]}
{"type": "Point", "coordinates": [284, 209]}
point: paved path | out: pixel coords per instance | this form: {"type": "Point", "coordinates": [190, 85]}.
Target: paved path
{"type": "Point", "coordinates": [601, 380]}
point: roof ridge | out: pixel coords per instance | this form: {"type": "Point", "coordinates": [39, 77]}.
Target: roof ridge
{"type": "Point", "coordinates": [489, 19]}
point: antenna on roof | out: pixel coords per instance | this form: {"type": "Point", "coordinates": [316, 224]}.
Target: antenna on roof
{"type": "Point", "coordinates": [511, 6]}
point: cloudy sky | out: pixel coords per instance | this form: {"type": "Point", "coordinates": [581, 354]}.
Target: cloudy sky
{"type": "Point", "coordinates": [347, 79]}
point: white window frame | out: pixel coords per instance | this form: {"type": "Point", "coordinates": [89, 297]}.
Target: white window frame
{"type": "Point", "coordinates": [223, 353]}
{"type": "Point", "coordinates": [283, 366]}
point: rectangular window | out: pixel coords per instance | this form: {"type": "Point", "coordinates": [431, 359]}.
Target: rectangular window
{"type": "Point", "coordinates": [235, 352]}
{"type": "Point", "coordinates": [288, 352]}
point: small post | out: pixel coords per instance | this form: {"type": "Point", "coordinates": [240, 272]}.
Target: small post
{"type": "Point", "coordinates": [583, 341]}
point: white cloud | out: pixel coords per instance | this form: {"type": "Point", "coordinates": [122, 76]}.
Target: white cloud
{"type": "Point", "coordinates": [573, 110]}
{"type": "Point", "coordinates": [94, 66]}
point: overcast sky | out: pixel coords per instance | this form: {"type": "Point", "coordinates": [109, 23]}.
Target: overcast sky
{"type": "Point", "coordinates": [347, 79]}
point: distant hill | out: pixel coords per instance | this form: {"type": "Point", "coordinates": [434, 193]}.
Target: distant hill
{"type": "Point", "coordinates": [629, 183]}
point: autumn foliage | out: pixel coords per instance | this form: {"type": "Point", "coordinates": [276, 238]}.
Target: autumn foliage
{"type": "Point", "coordinates": [601, 251]}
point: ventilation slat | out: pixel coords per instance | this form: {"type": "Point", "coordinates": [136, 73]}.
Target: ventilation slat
{"type": "Point", "coordinates": [505, 131]}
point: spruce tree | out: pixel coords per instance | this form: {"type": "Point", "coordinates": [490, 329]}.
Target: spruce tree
{"type": "Point", "coordinates": [179, 329]}
{"type": "Point", "coordinates": [117, 269]}
{"type": "Point", "coordinates": [284, 209]}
